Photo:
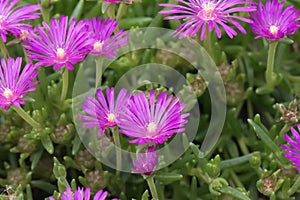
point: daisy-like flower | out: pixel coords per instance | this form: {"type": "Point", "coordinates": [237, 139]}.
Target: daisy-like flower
{"type": "Point", "coordinates": [151, 120]}
{"type": "Point", "coordinates": [198, 14]}
{"type": "Point", "coordinates": [273, 22]}
{"type": "Point", "coordinates": [104, 112]}
{"type": "Point", "coordinates": [81, 194]}
{"type": "Point", "coordinates": [60, 44]}
{"type": "Point", "coordinates": [14, 84]}
{"type": "Point", "coordinates": [104, 42]}
{"type": "Point", "coordinates": [146, 162]}
{"type": "Point", "coordinates": [12, 17]}
{"type": "Point", "coordinates": [293, 151]}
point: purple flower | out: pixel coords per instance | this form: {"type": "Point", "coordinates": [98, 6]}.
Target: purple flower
{"type": "Point", "coordinates": [293, 152]}
{"type": "Point", "coordinates": [104, 44]}
{"type": "Point", "coordinates": [81, 194]}
{"type": "Point", "coordinates": [60, 44]}
{"type": "Point", "coordinates": [14, 84]}
{"type": "Point", "coordinates": [273, 22]}
{"type": "Point", "coordinates": [153, 121]}
{"type": "Point", "coordinates": [12, 17]}
{"type": "Point", "coordinates": [104, 112]}
{"type": "Point", "coordinates": [198, 14]}
{"type": "Point", "coordinates": [112, 1]}
{"type": "Point", "coordinates": [146, 162]}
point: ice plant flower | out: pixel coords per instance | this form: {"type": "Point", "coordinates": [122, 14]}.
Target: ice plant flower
{"type": "Point", "coordinates": [104, 112]}
{"type": "Point", "coordinates": [104, 42]}
{"type": "Point", "coordinates": [146, 162]}
{"type": "Point", "coordinates": [12, 17]}
{"type": "Point", "coordinates": [151, 120]}
{"type": "Point", "coordinates": [200, 14]}
{"type": "Point", "coordinates": [293, 151]}
{"type": "Point", "coordinates": [273, 22]}
{"type": "Point", "coordinates": [81, 194]}
{"type": "Point", "coordinates": [59, 44]}
{"type": "Point", "coordinates": [14, 84]}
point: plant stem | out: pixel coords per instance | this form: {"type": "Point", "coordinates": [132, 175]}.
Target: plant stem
{"type": "Point", "coordinates": [270, 64]}
{"type": "Point", "coordinates": [208, 43]}
{"type": "Point", "coordinates": [65, 84]}
{"type": "Point", "coordinates": [152, 187]}
{"type": "Point", "coordinates": [121, 11]}
{"type": "Point", "coordinates": [295, 187]}
{"type": "Point", "coordinates": [3, 49]}
{"type": "Point", "coordinates": [111, 11]}
{"type": "Point", "coordinates": [26, 117]}
{"type": "Point", "coordinates": [118, 149]}
{"type": "Point", "coordinates": [98, 72]}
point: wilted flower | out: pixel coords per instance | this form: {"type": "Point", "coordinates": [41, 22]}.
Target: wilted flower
{"type": "Point", "coordinates": [14, 84]}
{"type": "Point", "coordinates": [146, 162]}
{"type": "Point", "coordinates": [60, 44]}
{"type": "Point", "coordinates": [81, 194]}
{"type": "Point", "coordinates": [198, 14]}
{"type": "Point", "coordinates": [104, 42]}
{"type": "Point", "coordinates": [12, 17]}
{"type": "Point", "coordinates": [273, 22]}
{"type": "Point", "coordinates": [293, 152]}
{"type": "Point", "coordinates": [104, 112]}
{"type": "Point", "coordinates": [153, 121]}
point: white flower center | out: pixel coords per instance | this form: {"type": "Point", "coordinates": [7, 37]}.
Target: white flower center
{"type": "Point", "coordinates": [208, 11]}
{"type": "Point", "coordinates": [98, 46]}
{"type": "Point", "coordinates": [151, 127]}
{"type": "Point", "coordinates": [8, 94]}
{"type": "Point", "coordinates": [111, 117]}
{"type": "Point", "coordinates": [274, 30]}
{"type": "Point", "coordinates": [60, 53]}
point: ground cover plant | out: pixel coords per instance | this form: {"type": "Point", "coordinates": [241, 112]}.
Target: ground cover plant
{"type": "Point", "coordinates": [149, 99]}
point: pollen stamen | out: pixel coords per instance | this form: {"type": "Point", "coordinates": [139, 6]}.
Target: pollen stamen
{"type": "Point", "coordinates": [8, 94]}
{"type": "Point", "coordinates": [274, 30]}
{"type": "Point", "coordinates": [60, 53]}
{"type": "Point", "coordinates": [111, 117]}
{"type": "Point", "coordinates": [208, 11]}
{"type": "Point", "coordinates": [151, 127]}
{"type": "Point", "coordinates": [98, 46]}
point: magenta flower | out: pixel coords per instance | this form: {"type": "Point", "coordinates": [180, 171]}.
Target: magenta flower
{"type": "Point", "coordinates": [14, 84]}
{"type": "Point", "coordinates": [104, 44]}
{"type": "Point", "coordinates": [293, 152]}
{"type": "Point", "coordinates": [12, 17]}
{"type": "Point", "coordinates": [81, 194]}
{"type": "Point", "coordinates": [104, 112]}
{"type": "Point", "coordinates": [60, 44]}
{"type": "Point", "coordinates": [153, 121]}
{"type": "Point", "coordinates": [146, 162]}
{"type": "Point", "coordinates": [198, 14]}
{"type": "Point", "coordinates": [273, 22]}
{"type": "Point", "coordinates": [112, 1]}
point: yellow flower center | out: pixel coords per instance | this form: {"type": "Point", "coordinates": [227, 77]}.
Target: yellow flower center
{"type": "Point", "coordinates": [60, 53]}
{"type": "Point", "coordinates": [207, 13]}
{"type": "Point", "coordinates": [151, 127]}
{"type": "Point", "coordinates": [98, 46]}
{"type": "Point", "coordinates": [111, 117]}
{"type": "Point", "coordinates": [274, 30]}
{"type": "Point", "coordinates": [8, 94]}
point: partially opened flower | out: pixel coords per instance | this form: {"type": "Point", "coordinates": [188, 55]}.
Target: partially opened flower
{"type": "Point", "coordinates": [83, 194]}
{"type": "Point", "coordinates": [151, 120]}
{"type": "Point", "coordinates": [293, 150]}
{"type": "Point", "coordinates": [12, 17]}
{"type": "Point", "coordinates": [200, 14]}
{"type": "Point", "coordinates": [59, 44]}
{"type": "Point", "coordinates": [104, 42]}
{"type": "Point", "coordinates": [146, 162]}
{"type": "Point", "coordinates": [104, 111]}
{"type": "Point", "coordinates": [273, 22]}
{"type": "Point", "coordinates": [14, 84]}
